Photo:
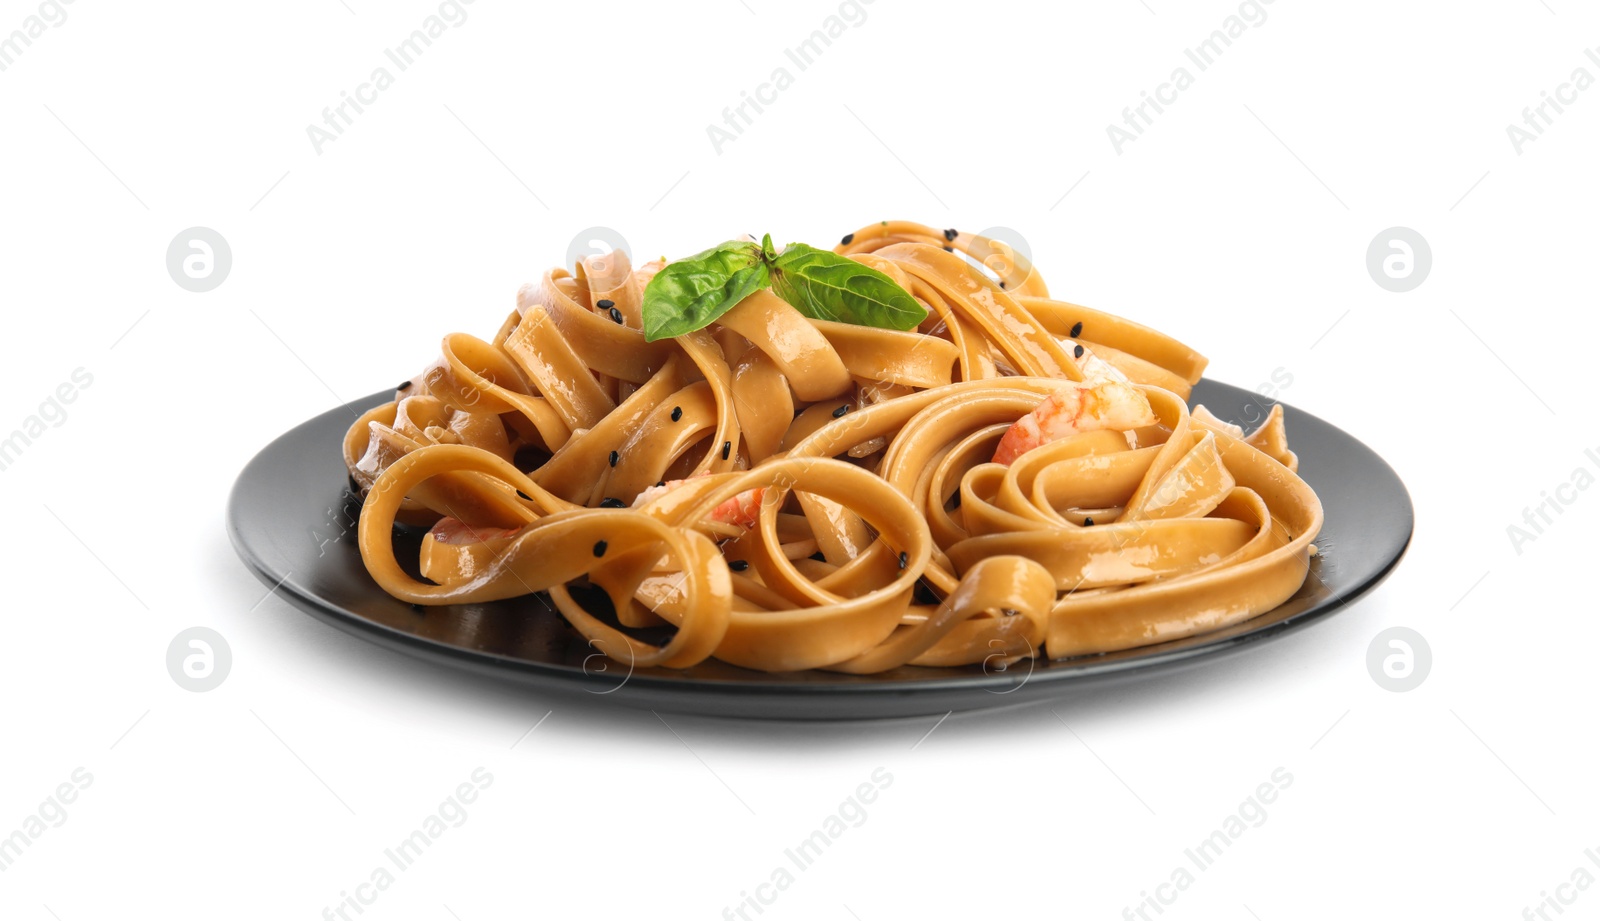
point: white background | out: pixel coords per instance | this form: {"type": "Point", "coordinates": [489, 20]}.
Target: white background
{"type": "Point", "coordinates": [1239, 222]}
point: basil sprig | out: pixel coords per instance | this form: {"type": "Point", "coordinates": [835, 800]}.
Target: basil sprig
{"type": "Point", "coordinates": [826, 286]}
{"type": "Point", "coordinates": [692, 293]}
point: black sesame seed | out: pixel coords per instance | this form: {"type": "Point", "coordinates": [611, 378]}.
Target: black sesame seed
{"type": "Point", "coordinates": [847, 238]}
{"type": "Point", "coordinates": [1087, 522]}
{"type": "Point", "coordinates": [1002, 286]}
{"type": "Point", "coordinates": [616, 315]}
{"type": "Point", "coordinates": [605, 303]}
{"type": "Point", "coordinates": [1077, 329]}
{"type": "Point", "coordinates": [951, 233]}
{"type": "Point", "coordinates": [609, 502]}
{"type": "Point", "coordinates": [614, 458]}
{"type": "Point", "coordinates": [739, 565]}
{"type": "Point", "coordinates": [902, 559]}
{"type": "Point", "coordinates": [523, 495]}
{"type": "Point", "coordinates": [406, 385]}
{"type": "Point", "coordinates": [677, 413]}
{"type": "Point", "coordinates": [839, 413]}
{"type": "Point", "coordinates": [948, 250]}
{"type": "Point", "coordinates": [727, 447]}
{"type": "Point", "coordinates": [1077, 350]}
{"type": "Point", "coordinates": [599, 548]}
{"type": "Point", "coordinates": [661, 482]}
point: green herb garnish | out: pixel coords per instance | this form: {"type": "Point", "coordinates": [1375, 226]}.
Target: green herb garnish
{"type": "Point", "coordinates": [826, 286]}
{"type": "Point", "coordinates": [692, 293]}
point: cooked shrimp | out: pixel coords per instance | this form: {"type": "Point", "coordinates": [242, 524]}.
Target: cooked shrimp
{"type": "Point", "coordinates": [743, 510]}
{"type": "Point", "coordinates": [1076, 408]}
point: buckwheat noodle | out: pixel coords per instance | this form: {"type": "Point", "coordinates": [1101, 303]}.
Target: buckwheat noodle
{"type": "Point", "coordinates": [790, 493]}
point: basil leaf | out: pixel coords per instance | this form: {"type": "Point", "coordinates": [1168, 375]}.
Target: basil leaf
{"type": "Point", "coordinates": [689, 294]}
{"type": "Point", "coordinates": [826, 286]}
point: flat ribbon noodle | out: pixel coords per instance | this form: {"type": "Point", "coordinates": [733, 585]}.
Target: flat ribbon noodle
{"type": "Point", "coordinates": [783, 493]}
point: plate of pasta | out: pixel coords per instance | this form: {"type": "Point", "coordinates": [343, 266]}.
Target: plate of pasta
{"type": "Point", "coordinates": [887, 478]}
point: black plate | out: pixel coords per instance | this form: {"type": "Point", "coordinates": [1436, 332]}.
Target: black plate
{"type": "Point", "coordinates": [292, 520]}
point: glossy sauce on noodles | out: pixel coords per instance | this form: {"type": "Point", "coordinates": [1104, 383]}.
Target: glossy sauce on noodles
{"type": "Point", "coordinates": [1018, 476]}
